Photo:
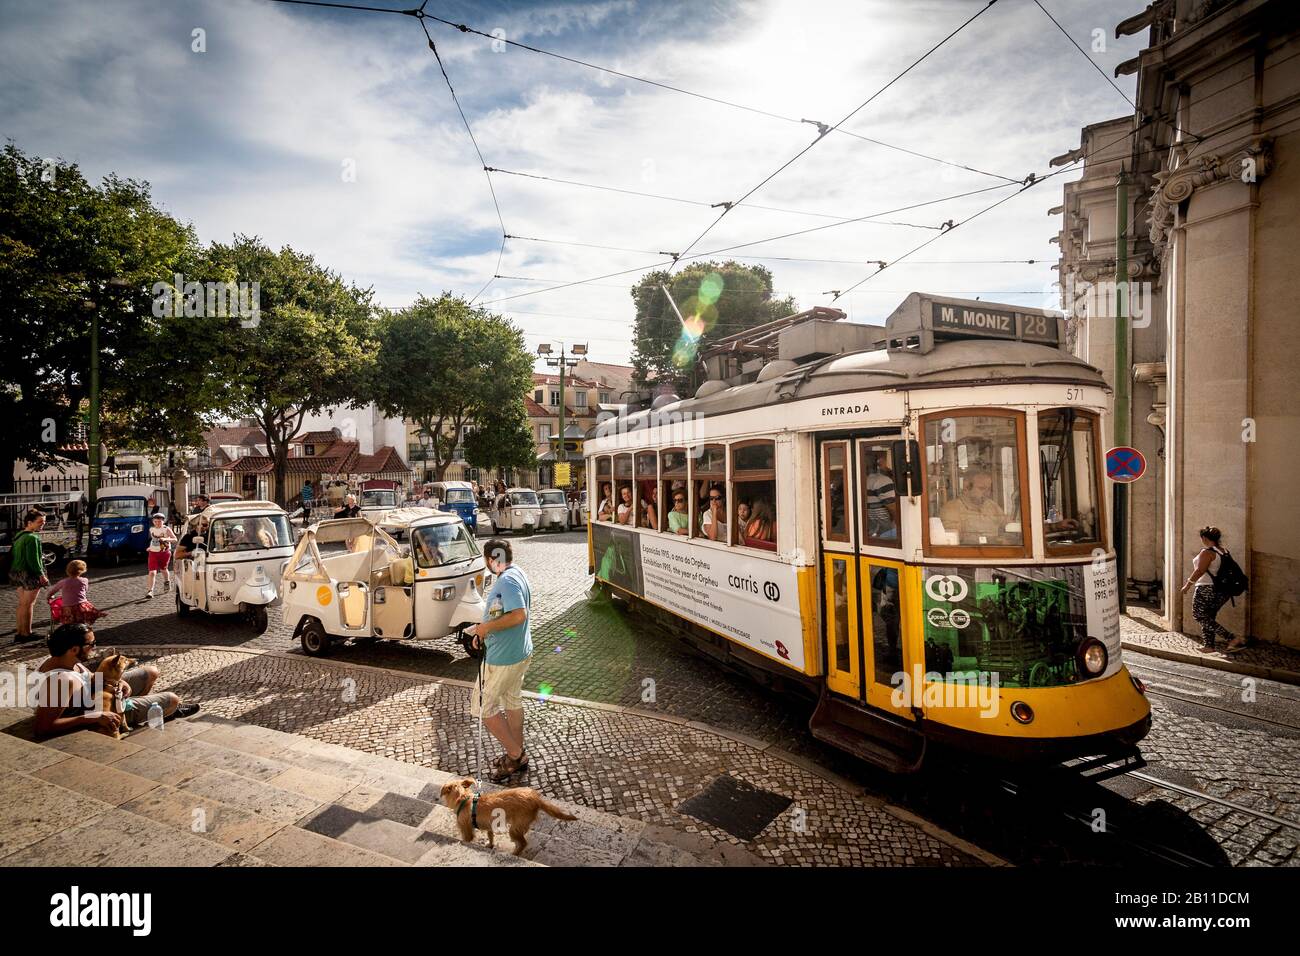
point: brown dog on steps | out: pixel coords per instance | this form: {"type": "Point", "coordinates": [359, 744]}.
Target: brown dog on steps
{"type": "Point", "coordinates": [517, 808]}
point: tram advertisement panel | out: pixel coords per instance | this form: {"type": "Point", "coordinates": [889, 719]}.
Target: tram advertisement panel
{"type": "Point", "coordinates": [752, 601]}
{"type": "Point", "coordinates": [1024, 624]}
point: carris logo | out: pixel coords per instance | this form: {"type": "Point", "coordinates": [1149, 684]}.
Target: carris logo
{"type": "Point", "coordinates": [771, 591]}
{"type": "Point", "coordinates": [946, 587]}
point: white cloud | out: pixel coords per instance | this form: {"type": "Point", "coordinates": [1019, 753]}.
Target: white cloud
{"type": "Point", "coordinates": [252, 135]}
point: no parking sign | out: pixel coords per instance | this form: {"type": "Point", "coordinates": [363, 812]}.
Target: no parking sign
{"type": "Point", "coordinates": [1125, 464]}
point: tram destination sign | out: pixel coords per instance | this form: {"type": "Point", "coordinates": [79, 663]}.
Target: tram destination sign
{"type": "Point", "coordinates": [993, 323]}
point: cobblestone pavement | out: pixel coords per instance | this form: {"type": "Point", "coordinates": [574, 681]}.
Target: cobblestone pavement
{"type": "Point", "coordinates": [604, 758]}
{"type": "Point", "coordinates": [590, 651]}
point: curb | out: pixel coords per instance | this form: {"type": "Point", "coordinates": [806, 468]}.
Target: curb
{"type": "Point", "coordinates": [766, 747]}
{"type": "Point", "coordinates": [1281, 675]}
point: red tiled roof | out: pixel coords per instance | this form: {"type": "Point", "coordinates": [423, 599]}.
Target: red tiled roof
{"type": "Point", "coordinates": [253, 464]}
{"type": "Point", "coordinates": [234, 435]}
{"type": "Point", "coordinates": [384, 461]}
{"type": "Point", "coordinates": [317, 438]}
{"type": "Point", "coordinates": [534, 410]}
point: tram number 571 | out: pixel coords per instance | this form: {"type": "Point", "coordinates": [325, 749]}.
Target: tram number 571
{"type": "Point", "coordinates": [1074, 394]}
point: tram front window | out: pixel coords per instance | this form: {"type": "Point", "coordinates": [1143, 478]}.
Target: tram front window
{"type": "Point", "coordinates": [1067, 452]}
{"type": "Point", "coordinates": [973, 481]}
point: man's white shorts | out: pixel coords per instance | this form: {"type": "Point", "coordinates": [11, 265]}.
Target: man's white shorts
{"type": "Point", "coordinates": [502, 684]}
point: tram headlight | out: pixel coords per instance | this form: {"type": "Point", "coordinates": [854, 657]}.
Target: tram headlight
{"type": "Point", "coordinates": [1093, 657]}
{"type": "Point", "coordinates": [1022, 712]}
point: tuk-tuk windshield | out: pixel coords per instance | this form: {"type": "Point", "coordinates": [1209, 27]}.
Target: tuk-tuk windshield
{"type": "Point", "coordinates": [458, 496]}
{"type": "Point", "coordinates": [120, 508]}
{"type": "Point", "coordinates": [522, 498]}
{"type": "Point", "coordinates": [552, 497]}
{"type": "Point", "coordinates": [250, 533]}
{"type": "Point", "coordinates": [441, 544]}
{"type": "Point", "coordinates": [382, 498]}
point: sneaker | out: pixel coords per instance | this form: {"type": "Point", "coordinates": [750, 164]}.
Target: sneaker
{"type": "Point", "coordinates": [167, 585]}
{"type": "Point", "coordinates": [148, 595]}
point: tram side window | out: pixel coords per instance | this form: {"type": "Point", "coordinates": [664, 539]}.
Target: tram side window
{"type": "Point", "coordinates": [604, 489]}
{"type": "Point", "coordinates": [1067, 454]}
{"type": "Point", "coordinates": [624, 494]}
{"type": "Point", "coordinates": [647, 490]}
{"type": "Point", "coordinates": [879, 494]}
{"type": "Point", "coordinates": [674, 492]}
{"type": "Point", "coordinates": [753, 482]}
{"type": "Point", "coordinates": [709, 471]}
{"type": "Point", "coordinates": [973, 490]}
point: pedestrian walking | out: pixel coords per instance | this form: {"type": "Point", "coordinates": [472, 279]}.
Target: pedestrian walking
{"type": "Point", "coordinates": [1213, 581]}
{"type": "Point", "coordinates": [506, 637]}
{"type": "Point", "coordinates": [27, 572]}
{"type": "Point", "coordinates": [161, 539]}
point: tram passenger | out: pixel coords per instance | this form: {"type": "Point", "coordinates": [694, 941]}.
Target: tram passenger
{"type": "Point", "coordinates": [713, 523]}
{"type": "Point", "coordinates": [650, 509]}
{"type": "Point", "coordinates": [742, 514]}
{"type": "Point", "coordinates": [605, 511]}
{"type": "Point", "coordinates": [974, 515]}
{"type": "Point", "coordinates": [679, 519]}
{"type": "Point", "coordinates": [882, 501]}
{"type": "Point", "coordinates": [625, 509]}
{"type": "Point", "coordinates": [760, 528]}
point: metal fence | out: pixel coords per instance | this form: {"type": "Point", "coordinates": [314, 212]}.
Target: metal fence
{"type": "Point", "coordinates": [61, 487]}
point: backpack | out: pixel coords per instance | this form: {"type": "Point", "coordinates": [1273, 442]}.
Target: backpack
{"type": "Point", "coordinates": [1231, 581]}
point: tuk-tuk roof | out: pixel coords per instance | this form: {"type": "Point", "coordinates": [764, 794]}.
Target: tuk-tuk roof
{"type": "Point", "coordinates": [560, 490]}
{"type": "Point", "coordinates": [451, 484]}
{"type": "Point", "coordinates": [405, 518]}
{"type": "Point", "coordinates": [339, 529]}
{"type": "Point", "coordinates": [131, 491]}
{"type": "Point", "coordinates": [511, 490]}
{"type": "Point", "coordinates": [226, 509]}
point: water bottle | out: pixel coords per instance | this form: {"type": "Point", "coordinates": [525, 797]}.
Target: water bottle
{"type": "Point", "coordinates": [155, 715]}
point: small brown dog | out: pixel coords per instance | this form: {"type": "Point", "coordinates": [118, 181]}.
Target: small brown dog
{"type": "Point", "coordinates": [517, 808]}
{"type": "Point", "coordinates": [112, 668]}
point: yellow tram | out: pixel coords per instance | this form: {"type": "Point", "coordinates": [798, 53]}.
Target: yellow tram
{"type": "Point", "coordinates": [907, 520]}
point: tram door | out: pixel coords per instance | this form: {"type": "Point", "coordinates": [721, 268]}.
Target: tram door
{"type": "Point", "coordinates": [865, 584]}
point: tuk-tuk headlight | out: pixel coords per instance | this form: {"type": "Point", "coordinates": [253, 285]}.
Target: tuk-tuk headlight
{"type": "Point", "coordinates": [137, 528]}
{"type": "Point", "coordinates": [224, 575]}
{"type": "Point", "coordinates": [96, 532]}
{"type": "Point", "coordinates": [444, 592]}
{"type": "Point", "coordinates": [487, 583]}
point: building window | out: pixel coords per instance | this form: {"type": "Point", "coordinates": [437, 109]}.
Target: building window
{"type": "Point", "coordinates": [580, 399]}
{"type": "Point", "coordinates": [974, 490]}
{"type": "Point", "coordinates": [537, 395]}
{"type": "Point", "coordinates": [604, 398]}
{"type": "Point", "coordinates": [555, 397]}
{"type": "Point", "coordinates": [543, 433]}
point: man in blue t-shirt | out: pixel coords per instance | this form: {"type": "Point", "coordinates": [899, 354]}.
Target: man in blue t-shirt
{"type": "Point", "coordinates": [509, 641]}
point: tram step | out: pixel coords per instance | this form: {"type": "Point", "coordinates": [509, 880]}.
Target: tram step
{"type": "Point", "coordinates": [866, 735]}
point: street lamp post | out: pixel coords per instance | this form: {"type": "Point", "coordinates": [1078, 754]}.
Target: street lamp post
{"type": "Point", "coordinates": [563, 361]}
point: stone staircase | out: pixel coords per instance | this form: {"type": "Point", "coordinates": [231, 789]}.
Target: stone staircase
{"type": "Point", "coordinates": [209, 791]}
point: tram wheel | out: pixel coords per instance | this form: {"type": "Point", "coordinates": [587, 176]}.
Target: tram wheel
{"type": "Point", "coordinates": [315, 642]}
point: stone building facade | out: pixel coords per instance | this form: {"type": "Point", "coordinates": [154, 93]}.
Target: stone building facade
{"type": "Point", "coordinates": [1212, 159]}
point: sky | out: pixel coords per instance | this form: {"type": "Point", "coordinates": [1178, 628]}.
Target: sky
{"type": "Point", "coordinates": [333, 131]}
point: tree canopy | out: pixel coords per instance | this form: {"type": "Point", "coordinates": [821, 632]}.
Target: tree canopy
{"type": "Point", "coordinates": [445, 365]}
{"type": "Point", "coordinates": [716, 300]}
{"type": "Point", "coordinates": [71, 252]}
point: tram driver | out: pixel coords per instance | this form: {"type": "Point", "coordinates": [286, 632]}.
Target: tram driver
{"type": "Point", "coordinates": [974, 515]}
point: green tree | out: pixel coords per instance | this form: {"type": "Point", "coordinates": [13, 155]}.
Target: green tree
{"type": "Point", "coordinates": [71, 252]}
{"type": "Point", "coordinates": [502, 439]}
{"type": "Point", "coordinates": [310, 349]}
{"type": "Point", "coordinates": [443, 365]}
{"type": "Point", "coordinates": [716, 300]}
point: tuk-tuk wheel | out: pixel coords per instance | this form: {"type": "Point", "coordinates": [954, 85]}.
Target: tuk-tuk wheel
{"type": "Point", "coordinates": [52, 554]}
{"type": "Point", "coordinates": [182, 609]}
{"type": "Point", "coordinates": [315, 641]}
{"type": "Point", "coordinates": [256, 615]}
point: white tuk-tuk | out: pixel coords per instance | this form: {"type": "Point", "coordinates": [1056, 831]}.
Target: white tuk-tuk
{"type": "Point", "coordinates": [350, 578]}
{"type": "Point", "coordinates": [516, 510]}
{"type": "Point", "coordinates": [237, 567]}
{"type": "Point", "coordinates": [555, 509]}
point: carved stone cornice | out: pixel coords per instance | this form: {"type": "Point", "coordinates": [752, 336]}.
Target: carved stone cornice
{"type": "Point", "coordinates": [1249, 162]}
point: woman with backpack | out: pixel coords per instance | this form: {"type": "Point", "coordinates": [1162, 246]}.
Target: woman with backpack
{"type": "Point", "coordinates": [1209, 572]}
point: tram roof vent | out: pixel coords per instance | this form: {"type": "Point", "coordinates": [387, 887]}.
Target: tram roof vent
{"type": "Point", "coordinates": [922, 319]}
{"type": "Point", "coordinates": [818, 339]}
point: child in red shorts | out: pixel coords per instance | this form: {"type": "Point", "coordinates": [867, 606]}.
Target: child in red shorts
{"type": "Point", "coordinates": [161, 539]}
